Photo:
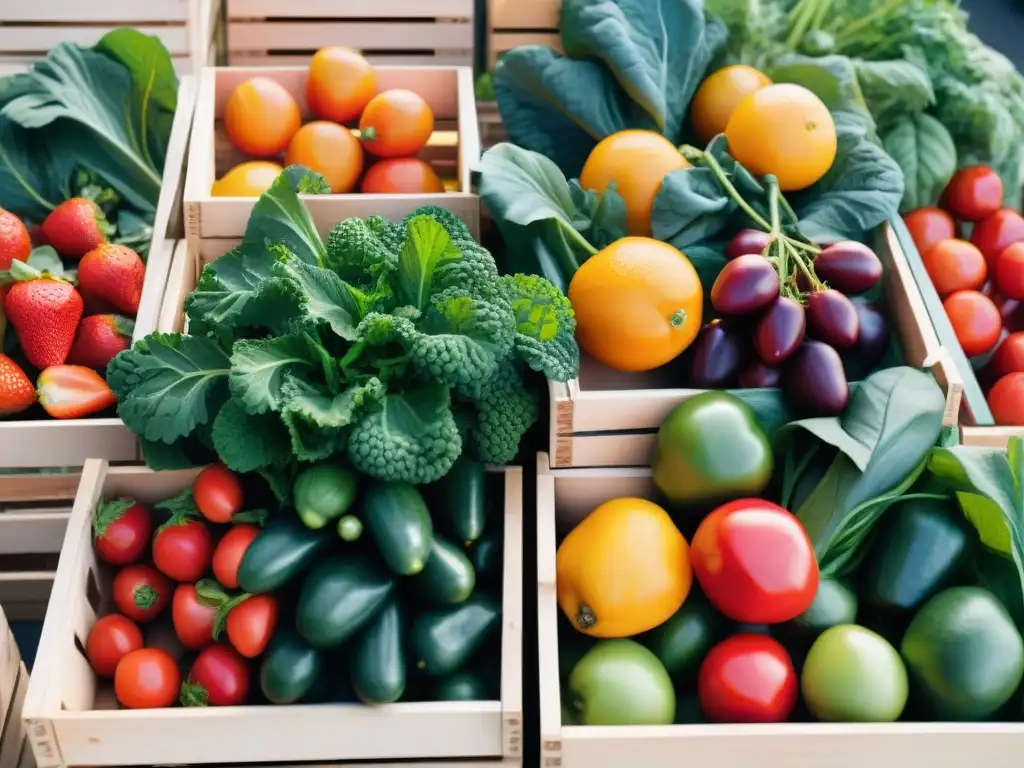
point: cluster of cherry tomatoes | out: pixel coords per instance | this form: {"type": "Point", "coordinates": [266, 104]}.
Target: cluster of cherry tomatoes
{"type": "Point", "coordinates": [167, 565]}
{"type": "Point", "coordinates": [973, 250]}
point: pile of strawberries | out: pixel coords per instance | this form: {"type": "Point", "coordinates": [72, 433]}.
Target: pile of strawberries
{"type": "Point", "coordinates": [70, 323]}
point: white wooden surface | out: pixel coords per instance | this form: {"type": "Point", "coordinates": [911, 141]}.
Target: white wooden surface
{"type": "Point", "coordinates": [631, 406]}
{"type": "Point", "coordinates": [71, 720]}
{"type": "Point", "coordinates": [14, 748]}
{"type": "Point", "coordinates": [513, 23]}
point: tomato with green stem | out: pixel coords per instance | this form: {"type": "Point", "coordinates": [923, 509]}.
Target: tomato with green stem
{"type": "Point", "coordinates": [219, 678]}
{"type": "Point", "coordinates": [193, 619]}
{"type": "Point", "coordinates": [182, 549]}
{"type": "Point", "coordinates": [251, 623]}
{"type": "Point", "coordinates": [218, 494]}
{"type": "Point", "coordinates": [122, 528]}
{"type": "Point", "coordinates": [141, 592]}
{"type": "Point", "coordinates": [111, 638]}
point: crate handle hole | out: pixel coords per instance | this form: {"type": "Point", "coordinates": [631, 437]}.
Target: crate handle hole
{"type": "Point", "coordinates": [92, 591]}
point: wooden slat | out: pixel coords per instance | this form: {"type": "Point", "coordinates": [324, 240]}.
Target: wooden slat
{"type": "Point", "coordinates": [31, 39]}
{"type": "Point", "coordinates": [524, 14]}
{"type": "Point", "coordinates": [367, 36]}
{"type": "Point", "coordinates": [117, 12]}
{"type": "Point", "coordinates": [333, 9]}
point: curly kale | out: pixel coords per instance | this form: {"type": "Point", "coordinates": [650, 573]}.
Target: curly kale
{"type": "Point", "coordinates": [398, 345]}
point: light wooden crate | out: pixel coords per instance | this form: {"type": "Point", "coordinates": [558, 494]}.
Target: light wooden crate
{"type": "Point", "coordinates": [564, 498]}
{"type": "Point", "coordinates": [606, 418]}
{"type": "Point", "coordinates": [15, 751]}
{"type": "Point", "coordinates": [409, 32]}
{"type": "Point", "coordinates": [215, 224]}
{"type": "Point", "coordinates": [492, 129]}
{"type": "Point", "coordinates": [512, 23]}
{"type": "Point", "coordinates": [56, 443]}
{"type": "Point", "coordinates": [72, 719]}
{"type": "Point", "coordinates": [30, 28]}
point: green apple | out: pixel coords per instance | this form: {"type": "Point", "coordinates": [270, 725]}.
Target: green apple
{"type": "Point", "coordinates": [619, 682]}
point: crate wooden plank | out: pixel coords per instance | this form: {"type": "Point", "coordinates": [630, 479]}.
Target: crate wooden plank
{"type": "Point", "coordinates": [524, 14]}
{"type": "Point", "coordinates": [71, 723]}
{"type": "Point", "coordinates": [272, 59]}
{"type": "Point", "coordinates": [564, 498]}
{"type": "Point", "coordinates": [368, 36]}
{"type": "Point", "coordinates": [31, 39]}
{"type": "Point", "coordinates": [119, 12]}
{"type": "Point", "coordinates": [589, 414]}
{"type": "Point", "coordinates": [332, 9]}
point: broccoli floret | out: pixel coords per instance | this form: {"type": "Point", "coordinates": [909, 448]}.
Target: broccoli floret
{"type": "Point", "coordinates": [545, 337]}
{"type": "Point", "coordinates": [504, 410]}
{"type": "Point", "coordinates": [361, 251]}
{"type": "Point", "coordinates": [413, 437]}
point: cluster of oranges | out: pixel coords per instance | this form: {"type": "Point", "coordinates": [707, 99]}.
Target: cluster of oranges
{"type": "Point", "coordinates": [264, 120]}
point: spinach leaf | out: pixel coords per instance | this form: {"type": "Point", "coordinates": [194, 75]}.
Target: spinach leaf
{"type": "Point", "coordinates": [249, 442]}
{"type": "Point", "coordinates": [862, 189]}
{"type": "Point", "coordinates": [690, 206]}
{"type": "Point", "coordinates": [883, 438]}
{"type": "Point", "coordinates": [894, 89]}
{"type": "Point", "coordinates": [925, 152]}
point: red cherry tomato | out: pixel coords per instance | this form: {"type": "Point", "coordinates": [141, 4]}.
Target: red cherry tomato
{"type": "Point", "coordinates": [929, 226]}
{"type": "Point", "coordinates": [251, 624]}
{"type": "Point", "coordinates": [1010, 272]}
{"type": "Point", "coordinates": [975, 319]}
{"type": "Point", "coordinates": [974, 193]}
{"type": "Point", "coordinates": [1009, 356]}
{"type": "Point", "coordinates": [141, 593]}
{"type": "Point", "coordinates": [1006, 400]}
{"type": "Point", "coordinates": [955, 265]}
{"type": "Point", "coordinates": [193, 621]}
{"type": "Point", "coordinates": [993, 234]}
{"type": "Point", "coordinates": [219, 678]}
{"type": "Point", "coordinates": [218, 494]}
{"type": "Point", "coordinates": [183, 550]}
{"type": "Point", "coordinates": [111, 638]}
{"type": "Point", "coordinates": [754, 562]}
{"type": "Point", "coordinates": [747, 679]}
{"type": "Point", "coordinates": [146, 679]}
{"type": "Point", "coordinates": [122, 531]}
{"type": "Point", "coordinates": [230, 551]}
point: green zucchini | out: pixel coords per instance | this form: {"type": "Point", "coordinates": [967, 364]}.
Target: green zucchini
{"type": "Point", "coordinates": [323, 492]}
{"type": "Point", "coordinates": [448, 576]}
{"type": "Point", "coordinates": [463, 686]}
{"type": "Point", "coordinates": [486, 554]}
{"type": "Point", "coordinates": [397, 519]}
{"type": "Point", "coordinates": [377, 661]}
{"type": "Point", "coordinates": [290, 668]}
{"type": "Point", "coordinates": [443, 641]}
{"type": "Point", "coordinates": [460, 501]}
{"type": "Point", "coordinates": [339, 597]}
{"type": "Point", "coordinates": [278, 553]}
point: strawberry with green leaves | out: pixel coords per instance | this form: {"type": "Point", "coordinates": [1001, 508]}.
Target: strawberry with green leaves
{"type": "Point", "coordinates": [16, 390]}
{"type": "Point", "coordinates": [73, 391]}
{"type": "Point", "coordinates": [76, 226]}
{"type": "Point", "coordinates": [113, 274]}
{"type": "Point", "coordinates": [99, 339]}
{"type": "Point", "coordinates": [14, 240]}
{"type": "Point", "coordinates": [45, 311]}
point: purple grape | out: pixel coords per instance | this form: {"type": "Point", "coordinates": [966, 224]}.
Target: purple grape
{"type": "Point", "coordinates": [747, 241]}
{"type": "Point", "coordinates": [747, 284]}
{"type": "Point", "coordinates": [756, 375]}
{"type": "Point", "coordinates": [780, 330]}
{"type": "Point", "coordinates": [716, 356]}
{"type": "Point", "coordinates": [815, 382]}
{"type": "Point", "coordinates": [849, 267]}
{"type": "Point", "coordinates": [832, 318]}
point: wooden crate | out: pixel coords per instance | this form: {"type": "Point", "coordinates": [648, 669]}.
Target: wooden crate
{"type": "Point", "coordinates": [512, 23]}
{"type": "Point", "coordinates": [492, 130]}
{"type": "Point", "coordinates": [53, 443]}
{"type": "Point", "coordinates": [15, 751]}
{"type": "Point", "coordinates": [407, 32]}
{"type": "Point", "coordinates": [564, 498]}
{"type": "Point", "coordinates": [30, 28]}
{"type": "Point", "coordinates": [610, 418]}
{"type": "Point", "coordinates": [215, 224]}
{"type": "Point", "coordinates": [72, 720]}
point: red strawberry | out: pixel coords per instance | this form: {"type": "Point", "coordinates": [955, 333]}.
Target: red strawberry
{"type": "Point", "coordinates": [16, 390]}
{"type": "Point", "coordinates": [73, 391]}
{"type": "Point", "coordinates": [14, 240]}
{"type": "Point", "coordinates": [99, 339]}
{"type": "Point", "coordinates": [45, 312]}
{"type": "Point", "coordinates": [75, 227]}
{"type": "Point", "coordinates": [113, 273]}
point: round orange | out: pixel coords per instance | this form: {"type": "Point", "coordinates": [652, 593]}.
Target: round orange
{"type": "Point", "coordinates": [247, 179]}
{"type": "Point", "coordinates": [636, 161]}
{"type": "Point", "coordinates": [401, 176]}
{"type": "Point", "coordinates": [720, 94]}
{"type": "Point", "coordinates": [784, 130]}
{"type": "Point", "coordinates": [340, 85]}
{"type": "Point", "coordinates": [330, 150]}
{"type": "Point", "coordinates": [261, 117]}
{"type": "Point", "coordinates": [638, 304]}
{"type": "Point", "coordinates": [396, 123]}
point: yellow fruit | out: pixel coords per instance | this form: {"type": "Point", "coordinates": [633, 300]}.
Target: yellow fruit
{"type": "Point", "coordinates": [719, 95]}
{"type": "Point", "coordinates": [623, 570]}
{"type": "Point", "coordinates": [247, 180]}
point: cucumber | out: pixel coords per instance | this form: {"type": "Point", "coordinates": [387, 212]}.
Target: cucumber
{"type": "Point", "coordinates": [397, 519]}
{"type": "Point", "coordinates": [278, 553]}
{"type": "Point", "coordinates": [486, 554]}
{"type": "Point", "coordinates": [448, 576]}
{"type": "Point", "coordinates": [324, 492]}
{"type": "Point", "coordinates": [460, 501]}
{"type": "Point", "coordinates": [442, 641]}
{"type": "Point", "coordinates": [290, 668]}
{"type": "Point", "coordinates": [339, 597]}
{"type": "Point", "coordinates": [681, 642]}
{"type": "Point", "coordinates": [463, 686]}
{"type": "Point", "coordinates": [377, 662]}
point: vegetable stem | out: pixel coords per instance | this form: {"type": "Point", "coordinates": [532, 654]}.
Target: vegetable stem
{"type": "Point", "coordinates": [731, 190]}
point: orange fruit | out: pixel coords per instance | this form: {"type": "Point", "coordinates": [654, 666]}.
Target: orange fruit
{"type": "Point", "coordinates": [330, 150]}
{"type": "Point", "coordinates": [783, 130]}
{"type": "Point", "coordinates": [401, 176]}
{"type": "Point", "coordinates": [636, 161]}
{"type": "Point", "coordinates": [638, 304]}
{"type": "Point", "coordinates": [720, 94]}
{"type": "Point", "coordinates": [396, 123]}
{"type": "Point", "coordinates": [261, 117]}
{"type": "Point", "coordinates": [247, 179]}
{"type": "Point", "coordinates": [340, 85]}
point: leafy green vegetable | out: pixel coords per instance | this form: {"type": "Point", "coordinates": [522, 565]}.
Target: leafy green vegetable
{"type": "Point", "coordinates": [925, 152]}
{"type": "Point", "coordinates": [371, 345]}
{"type": "Point", "coordinates": [894, 88]}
